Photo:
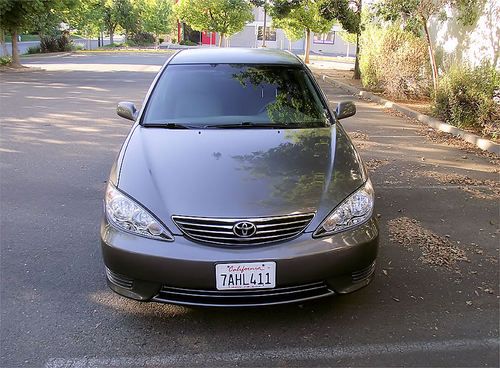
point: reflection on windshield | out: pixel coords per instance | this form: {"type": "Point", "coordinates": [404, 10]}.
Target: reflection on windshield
{"type": "Point", "coordinates": [295, 101]}
{"type": "Point", "coordinates": [221, 94]}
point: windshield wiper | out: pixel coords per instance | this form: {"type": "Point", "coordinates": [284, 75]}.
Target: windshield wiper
{"type": "Point", "coordinates": [249, 124]}
{"type": "Point", "coordinates": [171, 126]}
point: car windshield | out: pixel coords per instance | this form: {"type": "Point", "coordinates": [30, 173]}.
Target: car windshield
{"type": "Point", "coordinates": [229, 95]}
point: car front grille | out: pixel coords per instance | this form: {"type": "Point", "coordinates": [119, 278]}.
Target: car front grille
{"type": "Point", "coordinates": [242, 298]}
{"type": "Point", "coordinates": [221, 230]}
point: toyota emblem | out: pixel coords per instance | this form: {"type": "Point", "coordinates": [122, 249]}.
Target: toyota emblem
{"type": "Point", "coordinates": [244, 229]}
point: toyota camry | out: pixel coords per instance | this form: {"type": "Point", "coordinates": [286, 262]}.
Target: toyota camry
{"type": "Point", "coordinates": [237, 186]}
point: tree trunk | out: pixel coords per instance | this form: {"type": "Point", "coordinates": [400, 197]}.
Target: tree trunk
{"type": "Point", "coordinates": [264, 28]}
{"type": "Point", "coordinates": [2, 42]}
{"type": "Point", "coordinates": [357, 71]}
{"type": "Point", "coordinates": [308, 46]}
{"type": "Point", "coordinates": [111, 35]}
{"type": "Point", "coordinates": [432, 57]}
{"type": "Point", "coordinates": [221, 38]}
{"type": "Point", "coordinates": [16, 61]}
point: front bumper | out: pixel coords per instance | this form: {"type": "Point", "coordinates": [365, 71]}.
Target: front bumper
{"type": "Point", "coordinates": [183, 272]}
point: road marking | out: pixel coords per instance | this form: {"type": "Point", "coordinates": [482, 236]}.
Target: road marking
{"type": "Point", "coordinates": [287, 354]}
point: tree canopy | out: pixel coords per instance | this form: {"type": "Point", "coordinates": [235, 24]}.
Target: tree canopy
{"type": "Point", "coordinates": [301, 19]}
{"type": "Point", "coordinates": [223, 16]}
{"type": "Point", "coordinates": [156, 16]}
{"type": "Point", "coordinates": [25, 15]}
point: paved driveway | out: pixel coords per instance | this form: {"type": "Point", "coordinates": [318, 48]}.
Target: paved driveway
{"type": "Point", "coordinates": [434, 301]}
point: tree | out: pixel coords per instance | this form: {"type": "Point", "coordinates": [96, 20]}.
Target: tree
{"type": "Point", "coordinates": [223, 16]}
{"type": "Point", "coordinates": [87, 17]}
{"type": "Point", "coordinates": [111, 17]}
{"type": "Point", "coordinates": [127, 16]}
{"type": "Point", "coordinates": [17, 16]}
{"type": "Point", "coordinates": [157, 17]}
{"type": "Point", "coordinates": [348, 13]}
{"type": "Point", "coordinates": [303, 18]}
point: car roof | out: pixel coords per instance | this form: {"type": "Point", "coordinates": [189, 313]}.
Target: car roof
{"type": "Point", "coordinates": [234, 55]}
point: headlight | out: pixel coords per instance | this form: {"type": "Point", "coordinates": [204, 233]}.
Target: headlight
{"type": "Point", "coordinates": [130, 216]}
{"type": "Point", "coordinates": [353, 211]}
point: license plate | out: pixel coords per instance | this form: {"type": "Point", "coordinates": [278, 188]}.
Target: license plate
{"type": "Point", "coordinates": [256, 275]}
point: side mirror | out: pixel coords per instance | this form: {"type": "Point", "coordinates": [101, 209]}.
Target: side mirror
{"type": "Point", "coordinates": [127, 110]}
{"type": "Point", "coordinates": [345, 109]}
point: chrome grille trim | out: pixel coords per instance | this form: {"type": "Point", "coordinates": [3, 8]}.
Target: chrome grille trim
{"type": "Point", "coordinates": [269, 229]}
{"type": "Point", "coordinates": [242, 298]}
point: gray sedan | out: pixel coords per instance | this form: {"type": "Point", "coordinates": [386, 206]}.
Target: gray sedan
{"type": "Point", "coordinates": [237, 186]}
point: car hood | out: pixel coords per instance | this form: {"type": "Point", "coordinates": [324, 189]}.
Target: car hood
{"type": "Point", "coordinates": [239, 173]}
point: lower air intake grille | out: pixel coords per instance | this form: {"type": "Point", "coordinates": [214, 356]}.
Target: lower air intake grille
{"type": "Point", "coordinates": [242, 298]}
{"type": "Point", "coordinates": [119, 280]}
{"type": "Point", "coordinates": [225, 231]}
{"type": "Point", "coordinates": [363, 274]}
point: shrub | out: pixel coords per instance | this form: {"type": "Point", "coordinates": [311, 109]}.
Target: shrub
{"type": "Point", "coordinates": [48, 44]}
{"type": "Point", "coordinates": [370, 43]}
{"type": "Point", "coordinates": [188, 43]}
{"type": "Point", "coordinates": [161, 40]}
{"type": "Point", "coordinates": [468, 98]}
{"type": "Point", "coordinates": [142, 39]}
{"type": "Point", "coordinates": [33, 50]}
{"type": "Point", "coordinates": [55, 43]}
{"type": "Point", "coordinates": [394, 60]}
{"type": "Point", "coordinates": [5, 60]}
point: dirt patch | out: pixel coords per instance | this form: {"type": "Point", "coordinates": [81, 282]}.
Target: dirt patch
{"type": "Point", "coordinates": [489, 189]}
{"type": "Point", "coordinates": [373, 164]}
{"type": "Point", "coordinates": [436, 250]}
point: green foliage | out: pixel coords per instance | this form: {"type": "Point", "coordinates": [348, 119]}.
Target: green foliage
{"type": "Point", "coordinates": [33, 50]}
{"type": "Point", "coordinates": [188, 43]}
{"type": "Point", "coordinates": [394, 60]}
{"type": "Point", "coordinates": [127, 16]}
{"type": "Point", "coordinates": [465, 98]}
{"type": "Point", "coordinates": [306, 17]}
{"type": "Point", "coordinates": [224, 16]}
{"type": "Point", "coordinates": [347, 12]}
{"type": "Point", "coordinates": [156, 16]}
{"type": "Point", "coordinates": [87, 17]}
{"type": "Point", "coordinates": [5, 60]}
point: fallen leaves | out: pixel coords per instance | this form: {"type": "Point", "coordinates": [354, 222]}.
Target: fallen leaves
{"type": "Point", "coordinates": [373, 164]}
{"type": "Point", "coordinates": [490, 189]}
{"type": "Point", "coordinates": [360, 136]}
{"type": "Point", "coordinates": [436, 250]}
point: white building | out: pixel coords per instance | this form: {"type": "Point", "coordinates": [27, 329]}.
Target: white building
{"type": "Point", "coordinates": [471, 44]}
{"type": "Point", "coordinates": [251, 36]}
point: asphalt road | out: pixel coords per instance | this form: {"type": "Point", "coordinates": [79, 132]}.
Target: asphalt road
{"type": "Point", "coordinates": [59, 135]}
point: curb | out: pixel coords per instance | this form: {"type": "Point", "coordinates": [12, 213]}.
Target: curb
{"type": "Point", "coordinates": [47, 55]}
{"type": "Point", "coordinates": [482, 143]}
